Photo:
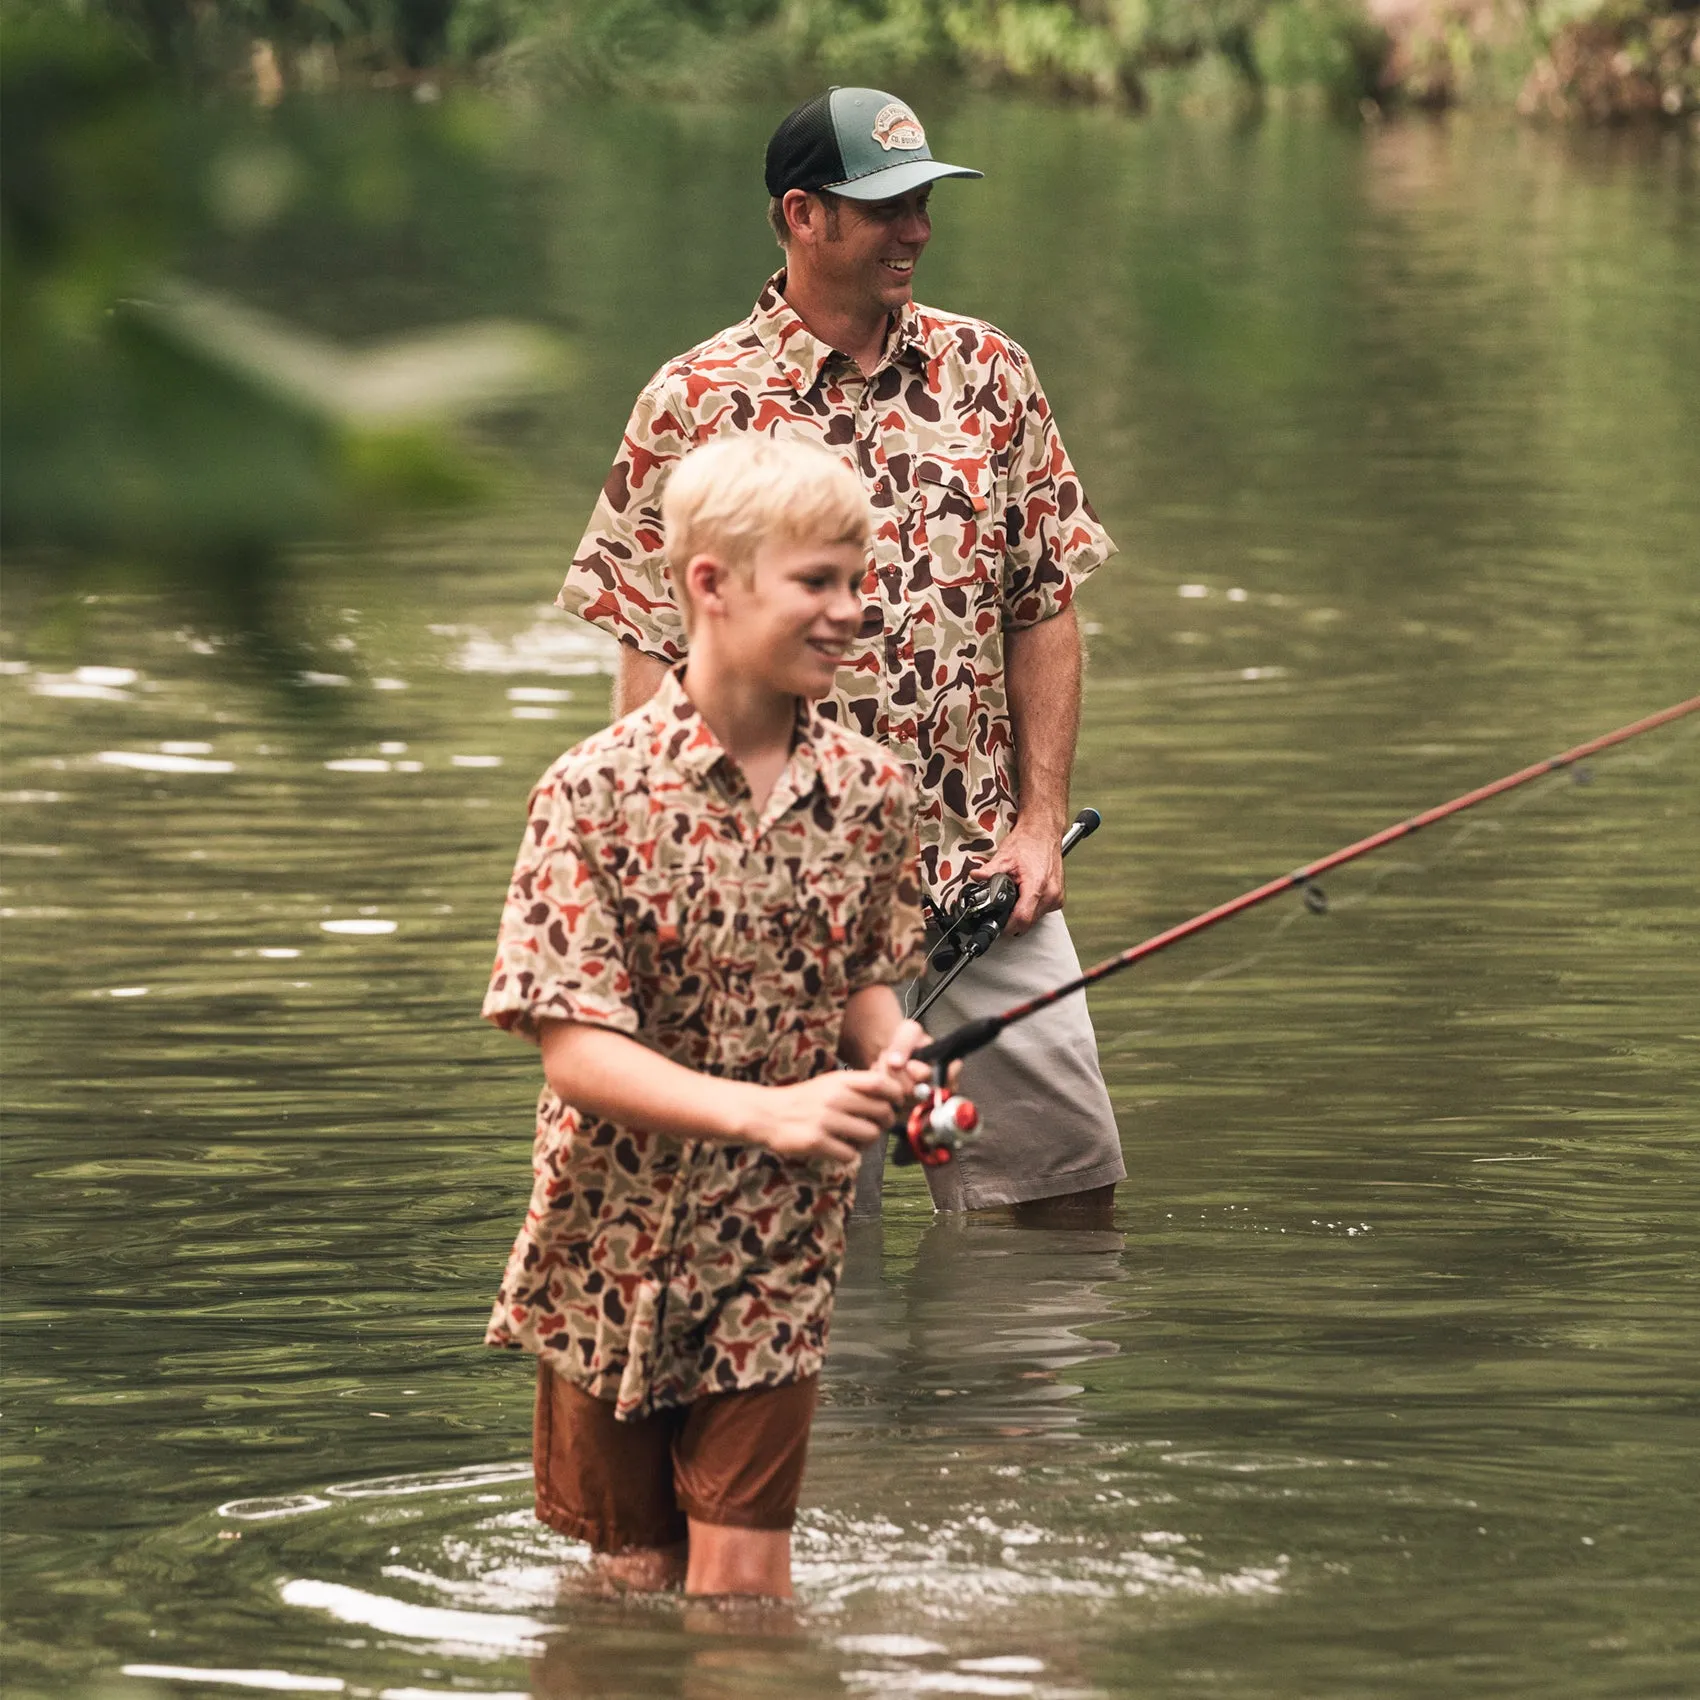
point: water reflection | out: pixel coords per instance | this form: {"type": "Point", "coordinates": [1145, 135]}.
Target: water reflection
{"type": "Point", "coordinates": [1381, 1386]}
{"type": "Point", "coordinates": [977, 1333]}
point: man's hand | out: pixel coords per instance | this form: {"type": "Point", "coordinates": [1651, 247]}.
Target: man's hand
{"type": "Point", "coordinates": [1032, 857]}
{"type": "Point", "coordinates": [830, 1117]}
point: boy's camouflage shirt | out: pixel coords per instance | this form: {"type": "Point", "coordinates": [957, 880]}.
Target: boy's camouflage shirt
{"type": "Point", "coordinates": [981, 526]}
{"type": "Point", "coordinates": [649, 898]}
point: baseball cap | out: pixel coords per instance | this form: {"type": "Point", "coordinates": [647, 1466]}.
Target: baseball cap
{"type": "Point", "coordinates": [862, 143]}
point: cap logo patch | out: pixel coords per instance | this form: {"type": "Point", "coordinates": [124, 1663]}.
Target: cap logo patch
{"type": "Point", "coordinates": [897, 127]}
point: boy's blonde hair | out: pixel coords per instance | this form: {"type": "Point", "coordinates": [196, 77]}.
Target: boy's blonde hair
{"type": "Point", "coordinates": [732, 495]}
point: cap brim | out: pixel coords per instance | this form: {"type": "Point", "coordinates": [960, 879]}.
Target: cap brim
{"type": "Point", "coordinates": [899, 180]}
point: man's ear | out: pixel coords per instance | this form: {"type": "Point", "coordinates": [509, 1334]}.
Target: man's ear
{"type": "Point", "coordinates": [802, 210]}
{"type": "Point", "coordinates": [705, 580]}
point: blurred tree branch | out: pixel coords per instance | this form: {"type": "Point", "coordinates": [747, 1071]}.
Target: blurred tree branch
{"type": "Point", "coordinates": [165, 435]}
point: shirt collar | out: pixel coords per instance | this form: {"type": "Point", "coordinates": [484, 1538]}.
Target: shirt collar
{"type": "Point", "coordinates": [800, 355]}
{"type": "Point", "coordinates": [690, 745]}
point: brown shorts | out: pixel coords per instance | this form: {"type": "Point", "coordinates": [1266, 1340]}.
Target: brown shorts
{"type": "Point", "coordinates": [734, 1459]}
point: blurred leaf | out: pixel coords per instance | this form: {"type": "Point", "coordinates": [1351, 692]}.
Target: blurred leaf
{"type": "Point", "coordinates": [160, 432]}
{"type": "Point", "coordinates": [437, 375]}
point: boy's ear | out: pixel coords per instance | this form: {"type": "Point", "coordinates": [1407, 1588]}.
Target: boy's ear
{"type": "Point", "coordinates": [705, 582]}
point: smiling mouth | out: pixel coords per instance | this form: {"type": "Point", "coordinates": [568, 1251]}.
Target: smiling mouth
{"type": "Point", "coordinates": [903, 268]}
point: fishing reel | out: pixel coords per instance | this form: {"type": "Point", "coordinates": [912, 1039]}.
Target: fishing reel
{"type": "Point", "coordinates": [976, 920]}
{"type": "Point", "coordinates": [941, 1120]}
{"type": "Point", "coordinates": [937, 1125]}
{"type": "Point", "coordinates": [974, 923]}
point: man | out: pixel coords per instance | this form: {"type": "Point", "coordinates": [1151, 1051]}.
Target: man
{"type": "Point", "coordinates": [968, 660]}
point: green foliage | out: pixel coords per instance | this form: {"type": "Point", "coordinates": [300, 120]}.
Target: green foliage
{"type": "Point", "coordinates": [1620, 60]}
{"type": "Point", "coordinates": [1572, 58]}
{"type": "Point", "coordinates": [1090, 49]}
{"type": "Point", "coordinates": [1325, 44]}
{"type": "Point", "coordinates": [213, 38]}
{"type": "Point", "coordinates": [162, 435]}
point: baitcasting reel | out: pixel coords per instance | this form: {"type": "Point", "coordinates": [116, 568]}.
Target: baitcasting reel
{"type": "Point", "coordinates": [973, 924]}
{"type": "Point", "coordinates": [941, 1120]}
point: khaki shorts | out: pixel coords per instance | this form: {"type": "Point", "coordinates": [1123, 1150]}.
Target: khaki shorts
{"type": "Point", "coordinates": [734, 1459]}
{"type": "Point", "coordinates": [1046, 1126]}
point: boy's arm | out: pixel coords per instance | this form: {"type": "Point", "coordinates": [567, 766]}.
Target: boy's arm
{"type": "Point", "coordinates": [889, 947]}
{"type": "Point", "coordinates": [609, 1076]}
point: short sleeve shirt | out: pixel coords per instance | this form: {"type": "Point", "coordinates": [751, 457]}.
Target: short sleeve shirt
{"type": "Point", "coordinates": [980, 527]}
{"type": "Point", "coordinates": [649, 898]}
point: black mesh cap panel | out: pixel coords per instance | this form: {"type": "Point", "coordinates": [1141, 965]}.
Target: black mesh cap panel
{"type": "Point", "coordinates": [803, 153]}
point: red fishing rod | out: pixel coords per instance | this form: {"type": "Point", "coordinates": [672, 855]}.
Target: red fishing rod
{"type": "Point", "coordinates": [940, 1118]}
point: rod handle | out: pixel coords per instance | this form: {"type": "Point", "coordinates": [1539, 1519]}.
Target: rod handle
{"type": "Point", "coordinates": [1082, 826]}
{"type": "Point", "coordinates": [961, 1041]}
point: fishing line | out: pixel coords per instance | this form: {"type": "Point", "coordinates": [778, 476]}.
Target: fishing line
{"type": "Point", "coordinates": [939, 1117]}
{"type": "Point", "coordinates": [1464, 832]}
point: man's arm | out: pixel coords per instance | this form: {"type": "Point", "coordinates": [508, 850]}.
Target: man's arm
{"type": "Point", "coordinates": [878, 1035]}
{"type": "Point", "coordinates": [618, 579]}
{"type": "Point", "coordinates": [637, 677]}
{"type": "Point", "coordinates": [1042, 667]}
{"type": "Point", "coordinates": [875, 1033]}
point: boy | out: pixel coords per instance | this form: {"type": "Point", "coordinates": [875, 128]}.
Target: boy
{"type": "Point", "coordinates": [711, 905]}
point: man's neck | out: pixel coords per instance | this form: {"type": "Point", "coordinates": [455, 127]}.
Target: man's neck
{"type": "Point", "coordinates": [753, 722]}
{"type": "Point", "coordinates": [858, 331]}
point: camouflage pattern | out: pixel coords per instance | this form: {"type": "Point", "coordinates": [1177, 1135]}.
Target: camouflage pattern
{"type": "Point", "coordinates": [981, 527]}
{"type": "Point", "coordinates": [650, 899]}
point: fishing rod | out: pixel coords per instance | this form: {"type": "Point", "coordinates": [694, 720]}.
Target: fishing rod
{"type": "Point", "coordinates": [940, 1118]}
{"type": "Point", "coordinates": [985, 912]}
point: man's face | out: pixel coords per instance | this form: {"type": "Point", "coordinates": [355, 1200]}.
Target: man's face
{"type": "Point", "coordinates": [791, 626]}
{"type": "Point", "coordinates": [872, 259]}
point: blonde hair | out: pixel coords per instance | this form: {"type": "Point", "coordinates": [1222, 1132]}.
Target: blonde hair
{"type": "Point", "coordinates": [736, 493]}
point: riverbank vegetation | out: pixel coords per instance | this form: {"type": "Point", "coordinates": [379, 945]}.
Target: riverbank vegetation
{"type": "Point", "coordinates": [1590, 60]}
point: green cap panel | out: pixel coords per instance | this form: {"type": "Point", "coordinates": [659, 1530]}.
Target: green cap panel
{"type": "Point", "coordinates": [883, 146]}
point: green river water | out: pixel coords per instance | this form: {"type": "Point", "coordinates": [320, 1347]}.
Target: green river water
{"type": "Point", "coordinates": [1384, 1384]}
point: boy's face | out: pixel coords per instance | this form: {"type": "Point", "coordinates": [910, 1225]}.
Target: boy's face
{"type": "Point", "coordinates": [791, 625]}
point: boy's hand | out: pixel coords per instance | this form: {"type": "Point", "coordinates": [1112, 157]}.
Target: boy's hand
{"type": "Point", "coordinates": [896, 1061]}
{"type": "Point", "coordinates": [832, 1116]}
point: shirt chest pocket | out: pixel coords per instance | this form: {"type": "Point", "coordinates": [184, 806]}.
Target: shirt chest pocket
{"type": "Point", "coordinates": [802, 939]}
{"type": "Point", "coordinates": [674, 929]}
{"type": "Point", "coordinates": [956, 522]}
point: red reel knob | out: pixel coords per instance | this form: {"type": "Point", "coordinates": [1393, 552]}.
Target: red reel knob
{"type": "Point", "coordinates": [931, 1142]}
{"type": "Point", "coordinates": [936, 1126]}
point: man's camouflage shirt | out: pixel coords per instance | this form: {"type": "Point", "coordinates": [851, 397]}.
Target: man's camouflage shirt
{"type": "Point", "coordinates": [980, 527]}
{"type": "Point", "coordinates": [650, 898]}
